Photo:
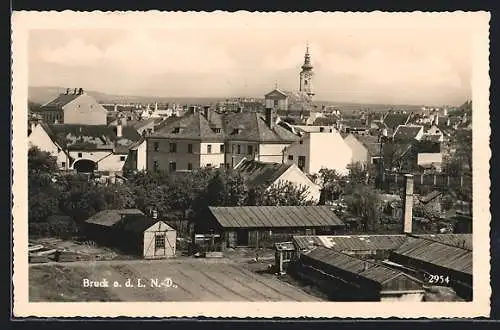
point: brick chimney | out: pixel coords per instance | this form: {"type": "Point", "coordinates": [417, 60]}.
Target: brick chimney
{"type": "Point", "coordinates": [408, 204]}
{"type": "Point", "coordinates": [269, 118]}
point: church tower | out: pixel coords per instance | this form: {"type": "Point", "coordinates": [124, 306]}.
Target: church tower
{"type": "Point", "coordinates": [306, 75]}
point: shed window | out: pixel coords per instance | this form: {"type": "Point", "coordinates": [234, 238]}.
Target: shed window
{"type": "Point", "coordinates": [122, 158]}
{"type": "Point", "coordinates": [160, 241]}
{"type": "Point", "coordinates": [63, 164]}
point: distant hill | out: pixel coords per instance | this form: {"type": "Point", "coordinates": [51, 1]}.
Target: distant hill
{"type": "Point", "coordinates": [42, 95]}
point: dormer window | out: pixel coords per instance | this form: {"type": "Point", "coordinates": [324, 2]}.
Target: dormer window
{"type": "Point", "coordinates": [178, 129]}
{"type": "Point", "coordinates": [217, 130]}
{"type": "Point", "coordinates": [237, 131]}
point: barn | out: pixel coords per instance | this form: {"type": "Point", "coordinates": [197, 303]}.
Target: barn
{"type": "Point", "coordinates": [131, 231]}
{"type": "Point", "coordinates": [345, 277]}
{"type": "Point", "coordinates": [263, 226]}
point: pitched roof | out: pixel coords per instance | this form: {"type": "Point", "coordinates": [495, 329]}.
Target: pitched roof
{"type": "Point", "coordinates": [91, 136]}
{"type": "Point", "coordinates": [329, 259]}
{"type": "Point", "coordinates": [193, 125]}
{"type": "Point", "coordinates": [138, 223]}
{"type": "Point", "coordinates": [354, 123]}
{"type": "Point", "coordinates": [59, 101]}
{"type": "Point", "coordinates": [371, 143]}
{"type": "Point", "coordinates": [252, 127]}
{"type": "Point", "coordinates": [436, 253]}
{"type": "Point", "coordinates": [458, 240]}
{"type": "Point", "coordinates": [109, 218]}
{"type": "Point", "coordinates": [259, 173]}
{"type": "Point", "coordinates": [275, 216]}
{"type": "Point", "coordinates": [430, 196]}
{"type": "Point", "coordinates": [432, 137]}
{"type": "Point", "coordinates": [276, 91]}
{"type": "Point", "coordinates": [393, 120]}
{"type": "Point", "coordinates": [351, 242]}
{"type": "Point", "coordinates": [140, 123]}
{"type": "Point", "coordinates": [406, 132]}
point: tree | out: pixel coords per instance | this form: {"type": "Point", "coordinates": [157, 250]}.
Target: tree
{"type": "Point", "coordinates": [365, 203]}
{"type": "Point", "coordinates": [41, 162]}
{"type": "Point", "coordinates": [284, 193]}
{"type": "Point", "coordinates": [332, 184]}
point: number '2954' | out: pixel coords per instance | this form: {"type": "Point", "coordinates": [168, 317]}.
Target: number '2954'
{"type": "Point", "coordinates": [437, 279]}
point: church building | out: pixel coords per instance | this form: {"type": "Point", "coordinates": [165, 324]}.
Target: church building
{"type": "Point", "coordinates": [286, 102]}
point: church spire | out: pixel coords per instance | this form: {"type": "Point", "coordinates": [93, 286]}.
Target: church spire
{"type": "Point", "coordinates": [307, 74]}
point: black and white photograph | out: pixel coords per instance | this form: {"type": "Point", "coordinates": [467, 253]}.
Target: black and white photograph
{"type": "Point", "coordinates": [251, 158]}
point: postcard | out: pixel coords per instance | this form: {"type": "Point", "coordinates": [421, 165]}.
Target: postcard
{"type": "Point", "coordinates": [185, 164]}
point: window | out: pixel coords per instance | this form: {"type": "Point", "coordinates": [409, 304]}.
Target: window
{"type": "Point", "coordinates": [217, 130]}
{"type": "Point", "coordinates": [190, 167]}
{"type": "Point", "coordinates": [250, 150]}
{"type": "Point", "coordinates": [177, 129]}
{"type": "Point", "coordinates": [302, 162]}
{"type": "Point", "coordinates": [301, 141]}
{"type": "Point", "coordinates": [222, 149]}
{"type": "Point", "coordinates": [63, 164]}
{"type": "Point", "coordinates": [290, 157]}
{"type": "Point", "coordinates": [156, 146]}
{"type": "Point", "coordinates": [79, 155]}
{"type": "Point", "coordinates": [222, 165]}
{"type": "Point", "coordinates": [209, 149]}
{"type": "Point", "coordinates": [160, 241]}
{"type": "Point", "coordinates": [122, 158]}
{"type": "Point", "coordinates": [155, 165]}
{"type": "Point", "coordinates": [209, 165]}
{"type": "Point", "coordinates": [58, 150]}
{"type": "Point", "coordinates": [190, 148]}
{"type": "Point", "coordinates": [276, 103]}
{"type": "Point", "coordinates": [321, 129]}
{"type": "Point", "coordinates": [239, 149]}
{"type": "Point", "coordinates": [172, 166]}
{"type": "Point", "coordinates": [173, 147]}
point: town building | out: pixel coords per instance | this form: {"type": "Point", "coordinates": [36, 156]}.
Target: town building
{"type": "Point", "coordinates": [317, 150]}
{"type": "Point", "coordinates": [297, 103]}
{"type": "Point", "coordinates": [392, 120]}
{"type": "Point", "coordinates": [366, 149]}
{"type": "Point", "coordinates": [273, 174]}
{"type": "Point", "coordinates": [262, 226]}
{"type": "Point", "coordinates": [73, 107]}
{"type": "Point", "coordinates": [407, 133]}
{"type": "Point", "coordinates": [86, 148]}
{"type": "Point", "coordinates": [209, 139]}
{"type": "Point", "coordinates": [130, 230]}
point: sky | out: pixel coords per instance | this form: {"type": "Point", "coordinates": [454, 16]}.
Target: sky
{"type": "Point", "coordinates": [390, 64]}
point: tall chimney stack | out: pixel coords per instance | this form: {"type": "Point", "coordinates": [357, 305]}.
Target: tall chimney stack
{"type": "Point", "coordinates": [269, 118]}
{"type": "Point", "coordinates": [408, 204]}
{"type": "Point", "coordinates": [119, 128]}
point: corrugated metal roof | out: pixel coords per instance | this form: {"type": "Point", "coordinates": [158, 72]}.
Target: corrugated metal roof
{"type": "Point", "coordinates": [436, 253]}
{"type": "Point", "coordinates": [351, 242]}
{"type": "Point", "coordinates": [369, 270]}
{"type": "Point", "coordinates": [260, 173]}
{"type": "Point", "coordinates": [275, 216]}
{"type": "Point", "coordinates": [458, 240]}
{"type": "Point", "coordinates": [110, 217]}
{"type": "Point", "coordinates": [138, 223]}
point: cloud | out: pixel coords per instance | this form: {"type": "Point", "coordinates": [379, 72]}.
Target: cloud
{"type": "Point", "coordinates": [139, 52]}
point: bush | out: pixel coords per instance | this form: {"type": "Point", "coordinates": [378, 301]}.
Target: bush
{"type": "Point", "coordinates": [55, 226]}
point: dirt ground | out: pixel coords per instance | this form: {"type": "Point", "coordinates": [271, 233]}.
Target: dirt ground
{"type": "Point", "coordinates": [188, 279]}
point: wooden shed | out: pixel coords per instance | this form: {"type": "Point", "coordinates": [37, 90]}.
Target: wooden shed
{"type": "Point", "coordinates": [133, 232]}
{"type": "Point", "coordinates": [263, 226]}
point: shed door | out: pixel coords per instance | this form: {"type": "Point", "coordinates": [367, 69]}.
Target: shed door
{"type": "Point", "coordinates": [160, 248]}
